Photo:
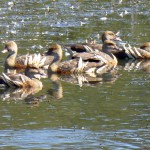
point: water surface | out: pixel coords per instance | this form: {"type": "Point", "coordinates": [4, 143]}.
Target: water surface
{"type": "Point", "coordinates": [110, 113]}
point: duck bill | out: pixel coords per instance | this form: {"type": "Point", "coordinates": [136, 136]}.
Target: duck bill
{"type": "Point", "coordinates": [37, 76]}
{"type": "Point", "coordinates": [118, 49]}
{"type": "Point", "coordinates": [4, 51]}
{"type": "Point", "coordinates": [118, 39]}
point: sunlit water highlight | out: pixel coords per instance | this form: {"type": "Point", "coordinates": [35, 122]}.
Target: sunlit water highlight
{"type": "Point", "coordinates": [110, 113]}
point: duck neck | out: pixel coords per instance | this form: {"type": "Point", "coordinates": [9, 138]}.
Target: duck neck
{"type": "Point", "coordinates": [57, 57]}
{"type": "Point", "coordinates": [53, 67]}
{"type": "Point", "coordinates": [10, 60]}
{"type": "Point", "coordinates": [107, 51]}
{"type": "Point", "coordinates": [103, 38]}
{"type": "Point", "coordinates": [57, 89]}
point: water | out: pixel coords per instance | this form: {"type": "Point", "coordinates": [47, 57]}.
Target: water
{"type": "Point", "coordinates": [109, 113]}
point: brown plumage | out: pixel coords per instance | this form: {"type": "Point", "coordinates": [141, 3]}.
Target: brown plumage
{"type": "Point", "coordinates": [92, 46]}
{"type": "Point", "coordinates": [88, 62]}
{"type": "Point", "coordinates": [12, 61]}
{"type": "Point", "coordinates": [145, 46]}
{"type": "Point", "coordinates": [138, 53]}
{"type": "Point", "coordinates": [20, 80]}
{"type": "Point", "coordinates": [53, 54]}
{"type": "Point", "coordinates": [105, 55]}
{"type": "Point", "coordinates": [28, 80]}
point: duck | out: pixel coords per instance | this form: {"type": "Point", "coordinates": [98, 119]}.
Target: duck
{"type": "Point", "coordinates": [53, 54]}
{"type": "Point", "coordinates": [145, 46]}
{"type": "Point", "coordinates": [30, 79]}
{"type": "Point", "coordinates": [92, 45]}
{"type": "Point", "coordinates": [11, 60]}
{"type": "Point", "coordinates": [143, 52]}
{"type": "Point", "coordinates": [20, 81]}
{"type": "Point", "coordinates": [88, 62]}
{"type": "Point", "coordinates": [138, 64]}
{"type": "Point", "coordinates": [109, 47]}
{"type": "Point", "coordinates": [20, 62]}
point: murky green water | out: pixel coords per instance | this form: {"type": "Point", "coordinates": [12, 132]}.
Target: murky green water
{"type": "Point", "coordinates": [112, 113]}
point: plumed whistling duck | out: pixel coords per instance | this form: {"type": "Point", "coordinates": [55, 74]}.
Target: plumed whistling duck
{"type": "Point", "coordinates": [138, 53]}
{"type": "Point", "coordinates": [109, 47]}
{"type": "Point", "coordinates": [28, 80]}
{"type": "Point", "coordinates": [92, 45]}
{"type": "Point", "coordinates": [12, 61]}
{"type": "Point", "coordinates": [87, 62]}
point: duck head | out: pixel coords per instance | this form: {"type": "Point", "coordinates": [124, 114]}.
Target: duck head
{"type": "Point", "coordinates": [56, 51]}
{"type": "Point", "coordinates": [146, 46]}
{"type": "Point", "coordinates": [10, 47]}
{"type": "Point", "coordinates": [109, 35]}
{"type": "Point", "coordinates": [55, 48]}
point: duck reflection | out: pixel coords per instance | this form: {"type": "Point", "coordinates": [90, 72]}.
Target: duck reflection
{"type": "Point", "coordinates": [19, 86]}
{"type": "Point", "coordinates": [9, 94]}
{"type": "Point", "coordinates": [138, 65]}
{"type": "Point", "coordinates": [91, 79]}
{"type": "Point", "coordinates": [57, 90]}
{"type": "Point", "coordinates": [33, 101]}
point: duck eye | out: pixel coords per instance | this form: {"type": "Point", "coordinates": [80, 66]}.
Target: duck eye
{"type": "Point", "coordinates": [6, 47]}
